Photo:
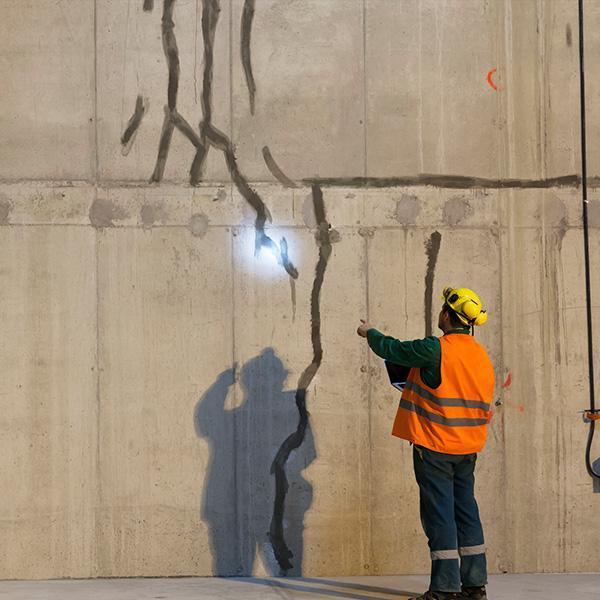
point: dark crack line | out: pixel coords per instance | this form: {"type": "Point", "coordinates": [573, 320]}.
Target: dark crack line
{"type": "Point", "coordinates": [246, 34]}
{"type": "Point", "coordinates": [180, 123]}
{"type": "Point", "coordinates": [432, 247]}
{"type": "Point", "coordinates": [276, 170]}
{"type": "Point", "coordinates": [163, 148]}
{"type": "Point", "coordinates": [276, 535]}
{"type": "Point", "coordinates": [445, 181]}
{"type": "Point", "coordinates": [210, 18]}
{"type": "Point", "coordinates": [128, 137]}
{"type": "Point", "coordinates": [288, 266]}
{"type": "Point", "coordinates": [210, 135]}
{"type": "Point", "coordinates": [171, 51]}
{"type": "Point", "coordinates": [172, 118]}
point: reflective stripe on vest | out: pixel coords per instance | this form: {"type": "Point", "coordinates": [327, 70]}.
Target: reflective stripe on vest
{"type": "Point", "coordinates": [411, 385]}
{"type": "Point", "coordinates": [449, 422]}
{"type": "Point", "coordinates": [453, 417]}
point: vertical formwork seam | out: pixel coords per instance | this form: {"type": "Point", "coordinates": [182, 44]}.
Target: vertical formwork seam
{"type": "Point", "coordinates": [365, 102]}
{"type": "Point", "coordinates": [369, 416]}
{"type": "Point", "coordinates": [98, 486]}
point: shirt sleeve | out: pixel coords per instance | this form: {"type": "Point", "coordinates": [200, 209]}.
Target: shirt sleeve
{"type": "Point", "coordinates": [416, 353]}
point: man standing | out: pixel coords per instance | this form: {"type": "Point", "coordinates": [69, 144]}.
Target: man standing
{"type": "Point", "coordinates": [444, 411]}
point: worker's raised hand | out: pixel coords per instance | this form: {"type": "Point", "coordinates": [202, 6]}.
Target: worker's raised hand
{"type": "Point", "coordinates": [227, 377]}
{"type": "Point", "coordinates": [363, 328]}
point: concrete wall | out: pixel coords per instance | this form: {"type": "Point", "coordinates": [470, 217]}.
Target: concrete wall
{"type": "Point", "coordinates": [129, 445]}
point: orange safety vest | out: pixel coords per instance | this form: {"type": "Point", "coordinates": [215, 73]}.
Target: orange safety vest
{"type": "Point", "coordinates": [453, 417]}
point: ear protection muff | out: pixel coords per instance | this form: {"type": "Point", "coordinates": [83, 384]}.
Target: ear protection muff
{"type": "Point", "coordinates": [470, 309]}
{"type": "Point", "coordinates": [466, 304]}
{"type": "Point", "coordinates": [481, 318]}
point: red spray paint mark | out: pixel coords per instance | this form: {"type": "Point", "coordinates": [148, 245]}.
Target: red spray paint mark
{"type": "Point", "coordinates": [490, 79]}
{"type": "Point", "coordinates": [507, 383]}
{"type": "Point", "coordinates": [519, 407]}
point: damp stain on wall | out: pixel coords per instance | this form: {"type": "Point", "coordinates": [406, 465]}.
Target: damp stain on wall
{"type": "Point", "coordinates": [408, 208]}
{"type": "Point", "coordinates": [594, 214]}
{"type": "Point", "coordinates": [198, 225]}
{"type": "Point", "coordinates": [150, 214]}
{"type": "Point", "coordinates": [104, 212]}
{"type": "Point", "coordinates": [456, 210]}
{"type": "Point", "coordinates": [5, 208]}
{"type": "Point", "coordinates": [553, 216]}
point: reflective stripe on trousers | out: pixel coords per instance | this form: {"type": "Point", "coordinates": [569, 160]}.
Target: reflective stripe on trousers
{"type": "Point", "coordinates": [455, 554]}
{"type": "Point", "coordinates": [472, 550]}
{"type": "Point", "coordinates": [450, 519]}
{"type": "Point", "coordinates": [444, 554]}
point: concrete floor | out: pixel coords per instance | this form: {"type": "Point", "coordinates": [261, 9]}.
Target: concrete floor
{"type": "Point", "coordinates": [502, 587]}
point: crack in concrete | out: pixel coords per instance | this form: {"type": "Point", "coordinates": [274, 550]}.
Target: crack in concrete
{"type": "Point", "coordinates": [276, 169]}
{"type": "Point", "coordinates": [172, 118]}
{"type": "Point", "coordinates": [246, 33]}
{"type": "Point", "coordinates": [209, 135]}
{"type": "Point", "coordinates": [445, 181]}
{"type": "Point", "coordinates": [276, 535]}
{"type": "Point", "coordinates": [128, 137]}
{"type": "Point", "coordinates": [432, 247]}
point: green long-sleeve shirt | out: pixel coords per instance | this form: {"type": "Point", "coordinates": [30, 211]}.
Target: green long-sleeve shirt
{"type": "Point", "coordinates": [425, 354]}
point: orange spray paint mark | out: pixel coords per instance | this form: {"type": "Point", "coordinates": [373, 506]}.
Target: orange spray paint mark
{"type": "Point", "coordinates": [490, 79]}
{"type": "Point", "coordinates": [519, 407]}
{"type": "Point", "coordinates": [507, 383]}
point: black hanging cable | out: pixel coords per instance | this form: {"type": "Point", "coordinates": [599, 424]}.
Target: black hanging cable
{"type": "Point", "coordinates": [586, 243]}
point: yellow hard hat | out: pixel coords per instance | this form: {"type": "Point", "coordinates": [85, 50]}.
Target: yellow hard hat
{"type": "Point", "coordinates": [466, 304]}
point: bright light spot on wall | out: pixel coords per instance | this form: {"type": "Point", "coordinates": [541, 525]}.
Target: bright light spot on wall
{"type": "Point", "coordinates": [266, 254]}
{"type": "Point", "coordinates": [264, 264]}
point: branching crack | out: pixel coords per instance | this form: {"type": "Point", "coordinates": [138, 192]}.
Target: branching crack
{"type": "Point", "coordinates": [208, 135]}
{"type": "Point", "coordinates": [276, 535]}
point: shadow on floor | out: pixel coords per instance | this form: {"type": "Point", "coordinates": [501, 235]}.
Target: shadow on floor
{"type": "Point", "coordinates": [358, 586]}
{"type": "Point", "coordinates": [296, 585]}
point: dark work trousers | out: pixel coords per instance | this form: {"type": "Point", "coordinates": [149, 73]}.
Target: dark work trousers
{"type": "Point", "coordinates": [450, 518]}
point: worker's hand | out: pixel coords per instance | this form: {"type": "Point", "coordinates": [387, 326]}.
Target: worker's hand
{"type": "Point", "coordinates": [363, 328]}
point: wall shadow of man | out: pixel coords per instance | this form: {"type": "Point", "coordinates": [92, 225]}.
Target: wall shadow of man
{"type": "Point", "coordinates": [239, 489]}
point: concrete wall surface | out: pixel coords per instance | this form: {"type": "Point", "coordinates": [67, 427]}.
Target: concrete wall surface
{"type": "Point", "coordinates": [151, 355]}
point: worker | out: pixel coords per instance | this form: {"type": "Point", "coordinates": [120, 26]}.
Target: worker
{"type": "Point", "coordinates": [444, 412]}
